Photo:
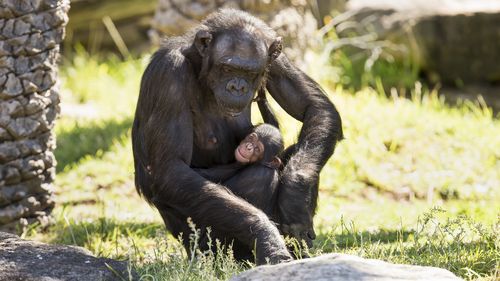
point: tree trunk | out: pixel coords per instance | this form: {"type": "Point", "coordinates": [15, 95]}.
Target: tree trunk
{"type": "Point", "coordinates": [30, 33]}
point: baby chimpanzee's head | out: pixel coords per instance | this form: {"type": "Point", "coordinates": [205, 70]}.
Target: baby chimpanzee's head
{"type": "Point", "coordinates": [262, 145]}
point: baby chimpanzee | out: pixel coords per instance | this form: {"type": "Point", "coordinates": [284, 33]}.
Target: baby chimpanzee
{"type": "Point", "coordinates": [258, 152]}
{"type": "Point", "coordinates": [263, 145]}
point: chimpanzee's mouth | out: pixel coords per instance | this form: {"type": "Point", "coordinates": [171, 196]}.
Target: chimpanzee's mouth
{"type": "Point", "coordinates": [230, 111]}
{"type": "Point", "coordinates": [232, 106]}
{"type": "Point", "coordinates": [233, 113]}
{"type": "Point", "coordinates": [239, 156]}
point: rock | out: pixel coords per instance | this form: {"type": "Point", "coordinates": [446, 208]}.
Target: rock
{"type": "Point", "coordinates": [28, 260]}
{"type": "Point", "coordinates": [342, 267]}
{"type": "Point", "coordinates": [452, 41]}
{"type": "Point", "coordinates": [293, 20]}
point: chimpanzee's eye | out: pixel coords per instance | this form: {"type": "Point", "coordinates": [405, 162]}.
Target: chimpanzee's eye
{"type": "Point", "coordinates": [226, 69]}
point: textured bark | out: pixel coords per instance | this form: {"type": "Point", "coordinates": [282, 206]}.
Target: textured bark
{"type": "Point", "coordinates": [292, 19]}
{"type": "Point", "coordinates": [30, 33]}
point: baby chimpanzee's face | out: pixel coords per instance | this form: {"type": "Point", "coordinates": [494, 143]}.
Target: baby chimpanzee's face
{"type": "Point", "coordinates": [250, 150]}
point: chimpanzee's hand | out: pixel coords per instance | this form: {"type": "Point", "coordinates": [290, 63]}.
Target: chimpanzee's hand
{"type": "Point", "coordinates": [275, 258]}
{"type": "Point", "coordinates": [301, 232]}
{"type": "Point", "coordinates": [270, 247]}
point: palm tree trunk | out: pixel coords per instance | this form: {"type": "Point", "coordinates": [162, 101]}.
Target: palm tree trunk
{"type": "Point", "coordinates": [30, 33]}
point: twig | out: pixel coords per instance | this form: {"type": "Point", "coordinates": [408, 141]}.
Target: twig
{"type": "Point", "coordinates": [115, 35]}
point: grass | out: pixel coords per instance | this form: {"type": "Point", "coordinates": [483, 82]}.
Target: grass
{"type": "Point", "coordinates": [416, 181]}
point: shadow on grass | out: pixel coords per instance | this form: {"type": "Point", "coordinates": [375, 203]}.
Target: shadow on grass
{"type": "Point", "coordinates": [103, 235]}
{"type": "Point", "coordinates": [82, 140]}
{"type": "Point", "coordinates": [111, 238]}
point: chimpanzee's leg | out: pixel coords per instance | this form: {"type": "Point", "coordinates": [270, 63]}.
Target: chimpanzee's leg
{"type": "Point", "coordinates": [177, 224]}
{"type": "Point", "coordinates": [255, 183]}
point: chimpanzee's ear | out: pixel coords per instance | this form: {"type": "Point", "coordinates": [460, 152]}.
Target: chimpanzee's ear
{"type": "Point", "coordinates": [202, 41]}
{"type": "Point", "coordinates": [275, 49]}
{"type": "Point", "coordinates": [275, 163]}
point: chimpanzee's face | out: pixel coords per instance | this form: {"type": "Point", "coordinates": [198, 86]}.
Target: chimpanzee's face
{"type": "Point", "coordinates": [236, 71]}
{"type": "Point", "coordinates": [250, 150]}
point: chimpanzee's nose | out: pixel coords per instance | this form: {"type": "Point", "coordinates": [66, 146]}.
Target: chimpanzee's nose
{"type": "Point", "coordinates": [237, 86]}
{"type": "Point", "coordinates": [249, 146]}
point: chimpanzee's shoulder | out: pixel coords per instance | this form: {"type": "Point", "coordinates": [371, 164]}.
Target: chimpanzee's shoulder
{"type": "Point", "coordinates": [169, 57]}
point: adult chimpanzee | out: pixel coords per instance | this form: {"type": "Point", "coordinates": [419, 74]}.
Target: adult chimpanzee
{"type": "Point", "coordinates": [192, 111]}
{"type": "Point", "coordinates": [260, 149]}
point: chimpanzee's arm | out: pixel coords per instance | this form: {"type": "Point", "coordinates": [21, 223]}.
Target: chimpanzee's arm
{"type": "Point", "coordinates": [303, 99]}
{"type": "Point", "coordinates": [162, 137]}
{"type": "Point", "coordinates": [220, 173]}
{"type": "Point", "coordinates": [266, 110]}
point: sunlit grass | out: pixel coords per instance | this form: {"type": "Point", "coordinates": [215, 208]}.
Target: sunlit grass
{"type": "Point", "coordinates": [401, 157]}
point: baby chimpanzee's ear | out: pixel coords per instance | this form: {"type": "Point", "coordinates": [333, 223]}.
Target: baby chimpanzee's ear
{"type": "Point", "coordinates": [275, 163]}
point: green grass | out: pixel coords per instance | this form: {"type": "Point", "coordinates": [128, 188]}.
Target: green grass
{"type": "Point", "coordinates": [383, 194]}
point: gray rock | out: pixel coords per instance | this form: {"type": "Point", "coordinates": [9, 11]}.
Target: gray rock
{"type": "Point", "coordinates": [28, 260]}
{"type": "Point", "coordinates": [342, 267]}
{"type": "Point", "coordinates": [452, 41]}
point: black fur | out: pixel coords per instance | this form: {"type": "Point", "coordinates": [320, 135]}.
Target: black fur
{"type": "Point", "coordinates": [186, 118]}
{"type": "Point", "coordinates": [246, 181]}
